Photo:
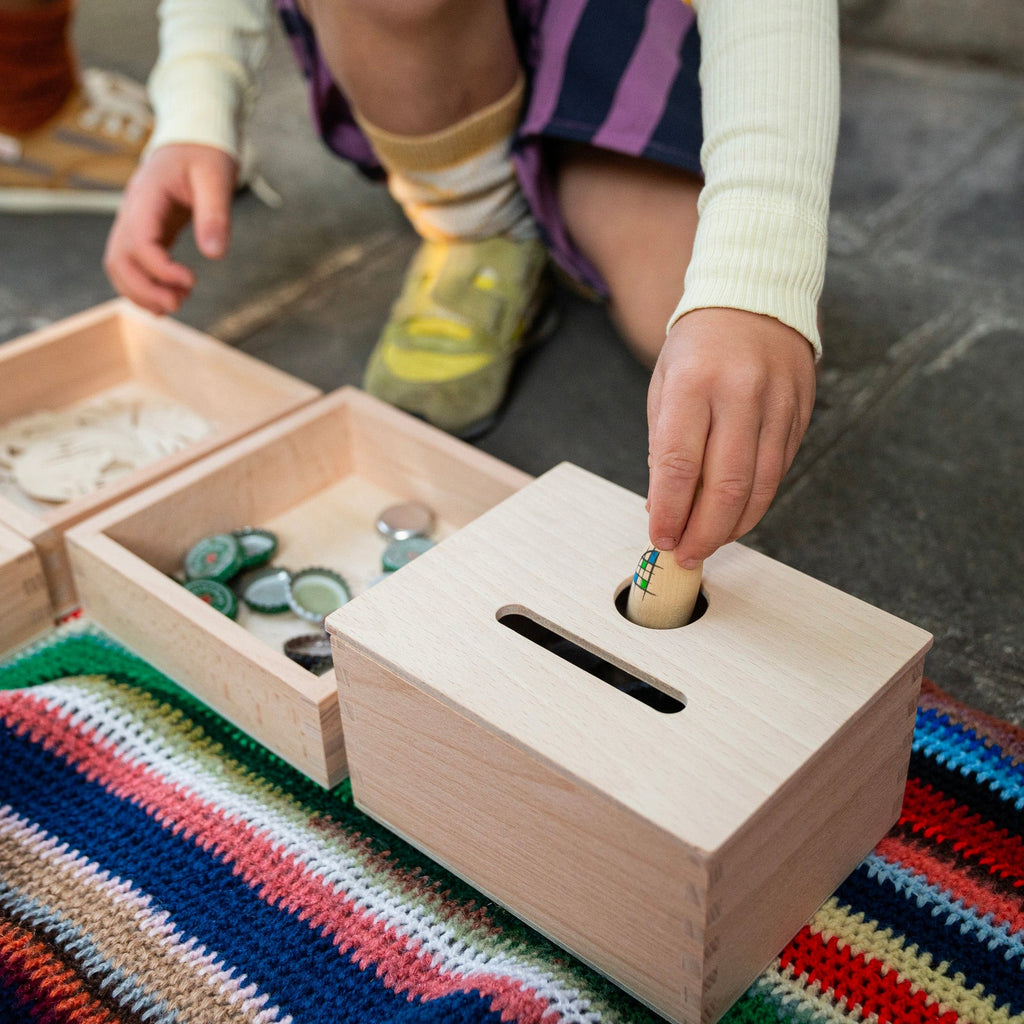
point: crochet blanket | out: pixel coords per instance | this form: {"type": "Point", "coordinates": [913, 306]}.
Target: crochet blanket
{"type": "Point", "coordinates": [158, 866]}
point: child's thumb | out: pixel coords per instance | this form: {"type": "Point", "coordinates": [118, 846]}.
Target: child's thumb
{"type": "Point", "coordinates": [212, 189]}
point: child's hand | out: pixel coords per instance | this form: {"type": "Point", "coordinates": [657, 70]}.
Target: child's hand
{"type": "Point", "coordinates": [730, 400]}
{"type": "Point", "coordinates": [175, 184]}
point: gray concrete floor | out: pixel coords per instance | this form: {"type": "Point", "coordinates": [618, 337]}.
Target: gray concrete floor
{"type": "Point", "coordinates": [908, 491]}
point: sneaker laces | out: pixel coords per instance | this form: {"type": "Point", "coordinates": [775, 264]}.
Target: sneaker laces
{"type": "Point", "coordinates": [115, 105]}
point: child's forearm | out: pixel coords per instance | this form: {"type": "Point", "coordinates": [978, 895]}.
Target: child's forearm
{"type": "Point", "coordinates": [770, 82]}
{"type": "Point", "coordinates": [204, 81]}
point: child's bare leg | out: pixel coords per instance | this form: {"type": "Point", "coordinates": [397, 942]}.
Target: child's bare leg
{"type": "Point", "coordinates": [635, 220]}
{"type": "Point", "coordinates": [436, 87]}
{"type": "Point", "coordinates": [420, 66]}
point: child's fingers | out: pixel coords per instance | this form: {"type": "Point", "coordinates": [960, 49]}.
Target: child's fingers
{"type": "Point", "coordinates": [729, 402]}
{"type": "Point", "coordinates": [131, 281]}
{"type": "Point", "coordinates": [140, 268]}
{"type": "Point", "coordinates": [771, 466]}
{"type": "Point", "coordinates": [175, 184]}
{"type": "Point", "coordinates": [155, 262]}
{"type": "Point", "coordinates": [679, 434]}
{"type": "Point", "coordinates": [212, 182]}
{"type": "Point", "coordinates": [728, 474]}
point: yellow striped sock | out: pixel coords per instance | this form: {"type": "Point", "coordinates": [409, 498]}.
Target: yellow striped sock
{"type": "Point", "coordinates": [459, 183]}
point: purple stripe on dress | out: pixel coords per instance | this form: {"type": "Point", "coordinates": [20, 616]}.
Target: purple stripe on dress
{"type": "Point", "coordinates": [539, 188]}
{"type": "Point", "coordinates": [644, 88]}
{"type": "Point", "coordinates": [557, 28]}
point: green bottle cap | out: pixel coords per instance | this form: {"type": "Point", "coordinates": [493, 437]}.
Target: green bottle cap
{"type": "Point", "coordinates": [258, 546]}
{"type": "Point", "coordinates": [216, 595]}
{"type": "Point", "coordinates": [402, 552]}
{"type": "Point", "coordinates": [315, 593]}
{"type": "Point", "coordinates": [266, 590]}
{"type": "Point", "coordinates": [218, 557]}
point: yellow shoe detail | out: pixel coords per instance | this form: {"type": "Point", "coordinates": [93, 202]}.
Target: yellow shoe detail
{"type": "Point", "coordinates": [435, 328]}
{"type": "Point", "coordinates": [462, 318]}
{"type": "Point", "coordinates": [424, 367]}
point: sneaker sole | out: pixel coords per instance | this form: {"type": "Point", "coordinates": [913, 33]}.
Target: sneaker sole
{"type": "Point", "coordinates": [41, 200]}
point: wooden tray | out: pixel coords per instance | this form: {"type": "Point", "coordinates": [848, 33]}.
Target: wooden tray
{"type": "Point", "coordinates": [116, 345]}
{"type": "Point", "coordinates": [318, 478]}
{"type": "Point", "coordinates": [24, 602]}
{"type": "Point", "coordinates": [676, 850]}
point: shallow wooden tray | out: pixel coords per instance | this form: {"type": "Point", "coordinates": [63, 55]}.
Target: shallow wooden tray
{"type": "Point", "coordinates": [318, 478]}
{"type": "Point", "coordinates": [24, 602]}
{"type": "Point", "coordinates": [112, 345]}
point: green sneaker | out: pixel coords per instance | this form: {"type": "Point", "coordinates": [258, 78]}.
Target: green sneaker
{"type": "Point", "coordinates": [466, 311]}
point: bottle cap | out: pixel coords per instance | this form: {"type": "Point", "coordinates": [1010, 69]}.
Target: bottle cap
{"type": "Point", "coordinates": [402, 552]}
{"type": "Point", "coordinates": [266, 590]}
{"type": "Point", "coordinates": [216, 595]}
{"type": "Point", "coordinates": [217, 557]}
{"type": "Point", "coordinates": [410, 519]}
{"type": "Point", "coordinates": [311, 650]}
{"type": "Point", "coordinates": [315, 593]}
{"type": "Point", "coordinates": [258, 546]}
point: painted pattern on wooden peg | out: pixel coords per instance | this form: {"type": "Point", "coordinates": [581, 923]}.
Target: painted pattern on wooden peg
{"type": "Point", "coordinates": [663, 594]}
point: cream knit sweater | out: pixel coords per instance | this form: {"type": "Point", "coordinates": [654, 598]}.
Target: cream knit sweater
{"type": "Point", "coordinates": [770, 83]}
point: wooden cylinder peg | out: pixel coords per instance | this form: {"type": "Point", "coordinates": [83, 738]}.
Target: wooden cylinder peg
{"type": "Point", "coordinates": [663, 594]}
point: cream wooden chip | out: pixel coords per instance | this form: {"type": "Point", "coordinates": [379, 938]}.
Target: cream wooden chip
{"type": "Point", "coordinates": [60, 455]}
{"type": "Point", "coordinates": [55, 470]}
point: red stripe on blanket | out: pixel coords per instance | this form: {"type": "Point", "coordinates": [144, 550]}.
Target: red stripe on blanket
{"type": "Point", "coordinates": [855, 981]}
{"type": "Point", "coordinates": [47, 988]}
{"type": "Point", "coordinates": [950, 879]}
{"type": "Point", "coordinates": [940, 818]}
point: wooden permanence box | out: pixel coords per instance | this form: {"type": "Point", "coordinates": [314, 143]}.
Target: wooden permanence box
{"type": "Point", "coordinates": [675, 851]}
{"type": "Point", "coordinates": [317, 478]}
{"type": "Point", "coordinates": [117, 347]}
{"type": "Point", "coordinates": [23, 598]}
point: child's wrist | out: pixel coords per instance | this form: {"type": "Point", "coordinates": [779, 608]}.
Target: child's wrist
{"type": "Point", "coordinates": [761, 257]}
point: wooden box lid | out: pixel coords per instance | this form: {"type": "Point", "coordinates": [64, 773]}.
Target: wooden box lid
{"type": "Point", "coordinates": [771, 672]}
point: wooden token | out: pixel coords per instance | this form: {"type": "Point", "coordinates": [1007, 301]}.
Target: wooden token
{"type": "Point", "coordinates": [62, 468]}
{"type": "Point", "coordinates": [60, 455]}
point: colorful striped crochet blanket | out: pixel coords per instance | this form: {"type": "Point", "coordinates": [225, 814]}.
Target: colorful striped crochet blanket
{"type": "Point", "coordinates": [157, 866]}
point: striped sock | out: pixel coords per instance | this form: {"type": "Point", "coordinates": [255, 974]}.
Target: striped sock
{"type": "Point", "coordinates": [459, 183]}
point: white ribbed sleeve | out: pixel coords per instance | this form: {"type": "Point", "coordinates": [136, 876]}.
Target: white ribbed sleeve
{"type": "Point", "coordinates": [770, 99]}
{"type": "Point", "coordinates": [204, 81]}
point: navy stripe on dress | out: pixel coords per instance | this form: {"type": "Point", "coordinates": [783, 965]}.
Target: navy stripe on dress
{"type": "Point", "coordinates": [677, 137]}
{"type": "Point", "coordinates": [595, 63]}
